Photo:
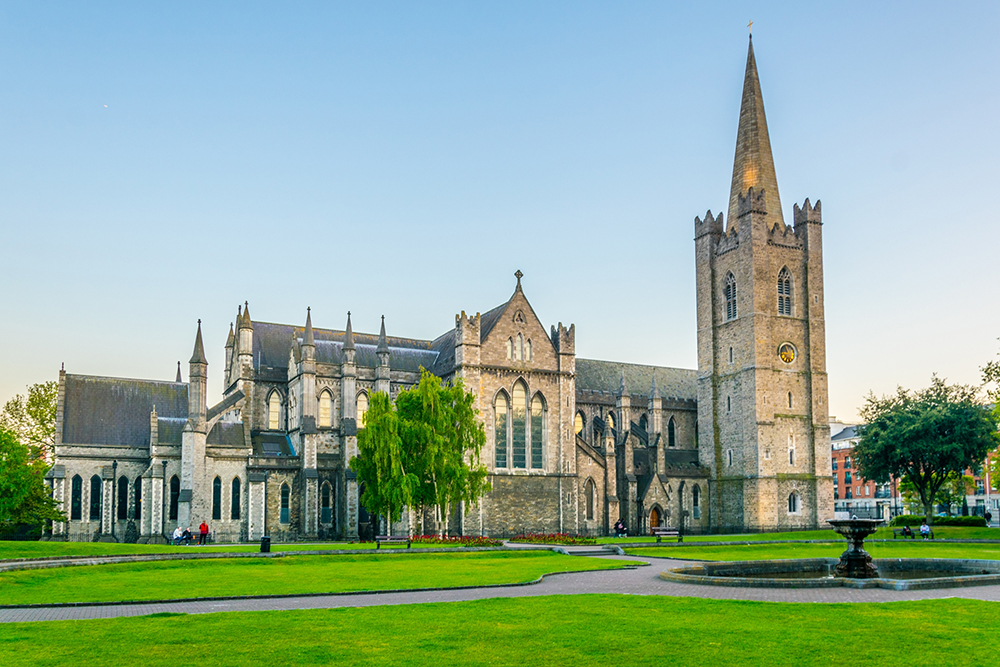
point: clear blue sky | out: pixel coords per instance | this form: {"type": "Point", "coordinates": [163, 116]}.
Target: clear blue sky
{"type": "Point", "coordinates": [162, 164]}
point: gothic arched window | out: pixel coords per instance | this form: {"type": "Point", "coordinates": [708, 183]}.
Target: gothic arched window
{"type": "Point", "coordinates": [696, 502]}
{"type": "Point", "coordinates": [519, 348]}
{"type": "Point", "coordinates": [362, 408]}
{"type": "Point", "coordinates": [785, 292]}
{"type": "Point", "coordinates": [137, 512]}
{"type": "Point", "coordinates": [76, 504]}
{"type": "Point", "coordinates": [286, 494]}
{"type": "Point", "coordinates": [643, 422]}
{"type": "Point", "coordinates": [325, 508]}
{"type": "Point", "coordinates": [325, 409]}
{"type": "Point", "coordinates": [501, 420]}
{"type": "Point", "coordinates": [537, 430]}
{"type": "Point", "coordinates": [589, 492]}
{"type": "Point", "coordinates": [671, 433]}
{"type": "Point", "coordinates": [730, 297]}
{"type": "Point", "coordinates": [236, 500]}
{"type": "Point", "coordinates": [578, 423]}
{"type": "Point", "coordinates": [175, 494]}
{"type": "Point", "coordinates": [793, 502]}
{"type": "Point", "coordinates": [519, 425]}
{"type": "Point", "coordinates": [122, 509]}
{"type": "Point", "coordinates": [510, 348]}
{"type": "Point", "coordinates": [527, 350]}
{"type": "Point", "coordinates": [96, 501]}
{"type": "Point", "coordinates": [274, 411]}
{"type": "Point", "coordinates": [216, 499]}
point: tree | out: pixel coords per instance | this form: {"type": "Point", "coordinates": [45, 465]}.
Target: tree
{"type": "Point", "coordinates": [928, 436]}
{"type": "Point", "coordinates": [24, 497]}
{"type": "Point", "coordinates": [424, 451]}
{"type": "Point", "coordinates": [32, 419]}
{"type": "Point", "coordinates": [382, 463]}
{"type": "Point", "coordinates": [951, 493]}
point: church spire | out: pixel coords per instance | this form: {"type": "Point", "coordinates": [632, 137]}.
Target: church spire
{"type": "Point", "coordinates": [179, 379]}
{"type": "Point", "coordinates": [307, 337]}
{"type": "Point", "coordinates": [383, 344]}
{"type": "Point", "coordinates": [753, 166]}
{"type": "Point", "coordinates": [199, 349]}
{"type": "Point", "coordinates": [349, 334]}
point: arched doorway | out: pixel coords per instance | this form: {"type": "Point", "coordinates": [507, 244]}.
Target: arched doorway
{"type": "Point", "coordinates": [654, 518]}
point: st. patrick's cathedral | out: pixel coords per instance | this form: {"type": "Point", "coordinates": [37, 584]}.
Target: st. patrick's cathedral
{"type": "Point", "coordinates": [573, 444]}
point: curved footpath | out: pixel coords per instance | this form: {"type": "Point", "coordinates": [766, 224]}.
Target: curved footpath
{"type": "Point", "coordinates": [639, 581]}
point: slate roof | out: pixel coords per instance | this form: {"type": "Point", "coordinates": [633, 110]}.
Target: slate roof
{"type": "Point", "coordinates": [848, 433]}
{"type": "Point", "coordinates": [227, 434]}
{"type": "Point", "coordinates": [115, 411]}
{"type": "Point", "coordinates": [595, 375]}
{"type": "Point", "coordinates": [489, 319]}
{"type": "Point", "coordinates": [272, 343]}
{"type": "Point", "coordinates": [169, 429]}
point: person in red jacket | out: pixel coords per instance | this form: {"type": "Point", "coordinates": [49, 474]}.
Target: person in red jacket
{"type": "Point", "coordinates": [204, 533]}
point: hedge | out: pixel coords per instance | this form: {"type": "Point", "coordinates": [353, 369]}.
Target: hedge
{"type": "Point", "coordinates": [917, 519]}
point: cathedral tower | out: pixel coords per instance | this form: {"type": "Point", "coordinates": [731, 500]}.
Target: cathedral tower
{"type": "Point", "coordinates": [762, 385]}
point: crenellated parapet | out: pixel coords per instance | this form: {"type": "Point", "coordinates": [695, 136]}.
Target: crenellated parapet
{"type": "Point", "coordinates": [808, 213]}
{"type": "Point", "coordinates": [753, 201]}
{"type": "Point", "coordinates": [563, 339]}
{"type": "Point", "coordinates": [468, 328]}
{"type": "Point", "coordinates": [710, 225]}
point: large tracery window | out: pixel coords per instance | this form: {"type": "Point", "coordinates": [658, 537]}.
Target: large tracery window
{"type": "Point", "coordinates": [325, 409]}
{"type": "Point", "coordinates": [274, 411]}
{"type": "Point", "coordinates": [501, 417]}
{"type": "Point", "coordinates": [537, 430]}
{"type": "Point", "coordinates": [730, 297]}
{"type": "Point", "coordinates": [785, 292]}
{"type": "Point", "coordinates": [519, 423]}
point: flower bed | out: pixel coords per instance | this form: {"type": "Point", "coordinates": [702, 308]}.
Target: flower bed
{"type": "Point", "coordinates": [466, 541]}
{"type": "Point", "coordinates": [554, 538]}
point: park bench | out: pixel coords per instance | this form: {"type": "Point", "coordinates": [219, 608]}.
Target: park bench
{"type": "Point", "coordinates": [392, 539]}
{"type": "Point", "coordinates": [914, 532]}
{"type": "Point", "coordinates": [660, 533]}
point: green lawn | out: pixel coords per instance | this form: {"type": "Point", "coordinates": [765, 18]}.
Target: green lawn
{"type": "Point", "coordinates": [51, 549]}
{"type": "Point", "coordinates": [898, 549]}
{"type": "Point", "coordinates": [942, 532]}
{"type": "Point", "coordinates": [288, 575]}
{"type": "Point", "coordinates": [578, 630]}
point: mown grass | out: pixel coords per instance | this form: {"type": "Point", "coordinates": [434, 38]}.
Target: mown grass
{"type": "Point", "coordinates": [59, 549]}
{"type": "Point", "coordinates": [579, 630]}
{"type": "Point", "coordinates": [288, 575]}
{"type": "Point", "coordinates": [765, 551]}
{"type": "Point", "coordinates": [885, 533]}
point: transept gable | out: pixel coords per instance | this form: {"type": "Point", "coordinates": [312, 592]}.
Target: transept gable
{"type": "Point", "coordinates": [512, 335]}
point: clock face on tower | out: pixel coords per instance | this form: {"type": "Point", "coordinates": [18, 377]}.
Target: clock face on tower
{"type": "Point", "coordinates": [787, 352]}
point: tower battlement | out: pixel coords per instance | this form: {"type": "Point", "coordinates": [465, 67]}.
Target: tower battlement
{"type": "Point", "coordinates": [468, 327]}
{"type": "Point", "coordinates": [710, 225]}
{"type": "Point", "coordinates": [753, 202]}
{"type": "Point", "coordinates": [808, 212]}
{"type": "Point", "coordinates": [564, 339]}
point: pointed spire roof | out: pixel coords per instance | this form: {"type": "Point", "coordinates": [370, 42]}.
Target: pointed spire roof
{"type": "Point", "coordinates": [199, 349]}
{"type": "Point", "coordinates": [307, 337]}
{"type": "Point", "coordinates": [231, 340]}
{"type": "Point", "coordinates": [179, 378]}
{"type": "Point", "coordinates": [653, 391]}
{"type": "Point", "coordinates": [623, 388]}
{"type": "Point", "coordinates": [247, 322]}
{"type": "Point", "coordinates": [753, 166]}
{"type": "Point", "coordinates": [349, 335]}
{"type": "Point", "coordinates": [383, 345]}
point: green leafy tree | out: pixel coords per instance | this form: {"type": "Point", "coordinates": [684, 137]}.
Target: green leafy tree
{"type": "Point", "coordinates": [991, 379]}
{"type": "Point", "coordinates": [929, 436]}
{"type": "Point", "coordinates": [32, 419]}
{"type": "Point", "coordinates": [24, 497]}
{"type": "Point", "coordinates": [382, 464]}
{"type": "Point", "coordinates": [424, 451]}
{"type": "Point", "coordinates": [951, 493]}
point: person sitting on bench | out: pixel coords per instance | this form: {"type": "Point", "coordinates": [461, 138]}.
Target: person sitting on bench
{"type": "Point", "coordinates": [178, 534]}
{"type": "Point", "coordinates": [907, 532]}
{"type": "Point", "coordinates": [620, 529]}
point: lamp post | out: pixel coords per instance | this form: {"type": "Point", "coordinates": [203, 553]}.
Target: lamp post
{"type": "Point", "coordinates": [114, 494]}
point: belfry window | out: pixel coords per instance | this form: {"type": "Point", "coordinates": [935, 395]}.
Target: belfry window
{"type": "Point", "coordinates": [785, 292]}
{"type": "Point", "coordinates": [730, 297]}
{"type": "Point", "coordinates": [274, 411]}
{"type": "Point", "coordinates": [325, 409]}
{"type": "Point", "coordinates": [500, 429]}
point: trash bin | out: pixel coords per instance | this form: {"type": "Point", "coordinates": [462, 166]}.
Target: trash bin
{"type": "Point", "coordinates": [265, 545]}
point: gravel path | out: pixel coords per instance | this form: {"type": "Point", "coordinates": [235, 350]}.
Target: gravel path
{"type": "Point", "coordinates": [640, 581]}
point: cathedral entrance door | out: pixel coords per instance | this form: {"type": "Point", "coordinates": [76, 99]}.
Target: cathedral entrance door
{"type": "Point", "coordinates": [654, 518]}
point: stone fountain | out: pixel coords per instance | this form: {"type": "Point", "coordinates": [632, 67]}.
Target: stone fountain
{"type": "Point", "coordinates": [855, 563]}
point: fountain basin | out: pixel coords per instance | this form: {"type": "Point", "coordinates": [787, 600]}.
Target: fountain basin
{"type": "Point", "coordinates": [901, 574]}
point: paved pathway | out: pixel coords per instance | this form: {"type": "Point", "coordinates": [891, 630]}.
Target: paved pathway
{"type": "Point", "coordinates": [641, 581]}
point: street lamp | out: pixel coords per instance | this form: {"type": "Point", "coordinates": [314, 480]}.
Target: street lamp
{"type": "Point", "coordinates": [114, 494]}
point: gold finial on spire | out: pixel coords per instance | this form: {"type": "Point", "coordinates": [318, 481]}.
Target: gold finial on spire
{"type": "Point", "coordinates": [750, 27]}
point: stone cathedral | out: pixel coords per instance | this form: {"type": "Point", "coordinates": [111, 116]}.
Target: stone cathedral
{"type": "Point", "coordinates": [741, 443]}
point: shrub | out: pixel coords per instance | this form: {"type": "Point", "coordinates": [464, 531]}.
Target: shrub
{"type": "Point", "coordinates": [916, 519]}
{"type": "Point", "coordinates": [554, 538]}
{"type": "Point", "coordinates": [463, 541]}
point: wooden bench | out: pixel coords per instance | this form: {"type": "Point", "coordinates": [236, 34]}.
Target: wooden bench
{"type": "Point", "coordinates": [660, 533]}
{"type": "Point", "coordinates": [391, 539]}
{"type": "Point", "coordinates": [914, 532]}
